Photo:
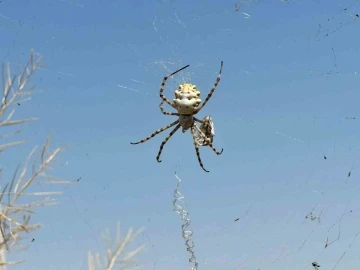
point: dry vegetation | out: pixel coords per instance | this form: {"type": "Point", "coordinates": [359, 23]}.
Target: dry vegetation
{"type": "Point", "coordinates": [15, 215]}
{"type": "Point", "coordinates": [20, 195]}
{"type": "Point", "coordinates": [115, 255]}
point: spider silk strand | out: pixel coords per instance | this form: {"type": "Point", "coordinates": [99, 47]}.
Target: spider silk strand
{"type": "Point", "coordinates": [186, 234]}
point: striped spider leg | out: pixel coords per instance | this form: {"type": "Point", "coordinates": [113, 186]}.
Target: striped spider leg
{"type": "Point", "coordinates": [184, 121]}
{"type": "Point", "coordinates": [165, 112]}
{"type": "Point", "coordinates": [206, 133]}
{"type": "Point", "coordinates": [203, 136]}
{"type": "Point", "coordinates": [166, 138]}
{"type": "Point", "coordinates": [212, 90]}
{"type": "Point", "coordinates": [196, 145]}
{"type": "Point", "coordinates": [161, 93]}
{"type": "Point", "coordinates": [187, 97]}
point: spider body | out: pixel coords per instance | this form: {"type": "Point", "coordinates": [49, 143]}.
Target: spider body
{"type": "Point", "coordinates": [187, 104]}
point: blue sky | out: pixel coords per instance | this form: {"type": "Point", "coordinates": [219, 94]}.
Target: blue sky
{"type": "Point", "coordinates": [290, 79]}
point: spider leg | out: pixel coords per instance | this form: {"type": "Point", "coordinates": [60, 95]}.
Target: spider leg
{"type": "Point", "coordinates": [197, 149]}
{"type": "Point", "coordinates": [197, 120]}
{"type": "Point", "coordinates": [208, 141]}
{"type": "Point", "coordinates": [215, 150]}
{"type": "Point", "coordinates": [157, 132]}
{"type": "Point", "coordinates": [163, 85]}
{"type": "Point", "coordinates": [212, 90]}
{"type": "Point", "coordinates": [164, 112]}
{"type": "Point", "coordinates": [165, 141]}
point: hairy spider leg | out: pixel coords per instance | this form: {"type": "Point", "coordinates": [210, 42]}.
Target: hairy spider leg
{"type": "Point", "coordinates": [197, 149]}
{"type": "Point", "coordinates": [198, 120]}
{"type": "Point", "coordinates": [165, 141]}
{"type": "Point", "coordinates": [215, 150]}
{"type": "Point", "coordinates": [212, 90]}
{"type": "Point", "coordinates": [208, 142]}
{"type": "Point", "coordinates": [157, 132]}
{"type": "Point", "coordinates": [164, 112]}
{"type": "Point", "coordinates": [163, 85]}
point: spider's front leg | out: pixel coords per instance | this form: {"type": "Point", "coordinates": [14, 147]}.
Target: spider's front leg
{"type": "Point", "coordinates": [212, 90]}
{"type": "Point", "coordinates": [164, 112]}
{"type": "Point", "coordinates": [163, 85]}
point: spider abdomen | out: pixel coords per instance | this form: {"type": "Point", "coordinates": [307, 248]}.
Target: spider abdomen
{"type": "Point", "coordinates": [186, 106]}
{"type": "Point", "coordinates": [186, 99]}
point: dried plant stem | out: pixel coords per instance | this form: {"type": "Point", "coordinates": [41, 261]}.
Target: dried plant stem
{"type": "Point", "coordinates": [114, 252]}
{"type": "Point", "coordinates": [15, 217]}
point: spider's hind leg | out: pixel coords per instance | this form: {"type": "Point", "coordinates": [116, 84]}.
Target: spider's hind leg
{"type": "Point", "coordinates": [215, 150]}
{"type": "Point", "coordinates": [157, 132]}
{"type": "Point", "coordinates": [193, 133]}
{"type": "Point", "coordinates": [197, 120]}
{"type": "Point", "coordinates": [165, 141]}
{"type": "Point", "coordinates": [206, 133]}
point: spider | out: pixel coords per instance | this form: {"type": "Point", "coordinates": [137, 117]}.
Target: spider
{"type": "Point", "coordinates": [187, 103]}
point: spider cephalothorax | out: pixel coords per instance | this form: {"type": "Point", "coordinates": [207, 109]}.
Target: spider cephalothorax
{"type": "Point", "coordinates": [187, 104]}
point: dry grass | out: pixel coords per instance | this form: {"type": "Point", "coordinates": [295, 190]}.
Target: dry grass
{"type": "Point", "coordinates": [19, 196]}
{"type": "Point", "coordinates": [115, 255]}
{"type": "Point", "coordinates": [15, 216]}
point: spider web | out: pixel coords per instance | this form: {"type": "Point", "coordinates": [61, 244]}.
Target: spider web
{"type": "Point", "coordinates": [284, 194]}
{"type": "Point", "coordinates": [277, 233]}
